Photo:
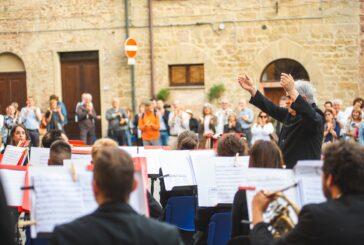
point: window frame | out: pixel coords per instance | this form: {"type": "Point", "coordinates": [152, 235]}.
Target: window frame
{"type": "Point", "coordinates": [188, 75]}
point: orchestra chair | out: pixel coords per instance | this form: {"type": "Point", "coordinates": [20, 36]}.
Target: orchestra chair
{"type": "Point", "coordinates": [219, 229]}
{"type": "Point", "coordinates": [180, 211]}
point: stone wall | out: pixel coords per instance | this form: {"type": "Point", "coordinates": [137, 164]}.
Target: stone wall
{"type": "Point", "coordinates": [229, 37]}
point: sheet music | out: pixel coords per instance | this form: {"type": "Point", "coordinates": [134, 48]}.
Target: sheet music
{"type": "Point", "coordinates": [39, 156]}
{"type": "Point", "coordinates": [138, 199]}
{"type": "Point", "coordinates": [86, 157]}
{"type": "Point", "coordinates": [153, 161]}
{"type": "Point", "coordinates": [309, 177]}
{"type": "Point", "coordinates": [80, 164]}
{"type": "Point", "coordinates": [176, 164]}
{"type": "Point", "coordinates": [217, 178]}
{"type": "Point", "coordinates": [12, 181]}
{"type": "Point", "coordinates": [269, 180]}
{"type": "Point", "coordinates": [12, 155]}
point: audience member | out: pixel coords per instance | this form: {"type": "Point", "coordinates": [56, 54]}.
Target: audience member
{"type": "Point", "coordinates": [263, 128]}
{"type": "Point", "coordinates": [222, 116]}
{"type": "Point", "coordinates": [54, 116]}
{"type": "Point", "coordinates": [340, 219]}
{"type": "Point", "coordinates": [10, 119]}
{"type": "Point", "coordinates": [193, 122]}
{"type": "Point", "coordinates": [149, 124]}
{"type": "Point", "coordinates": [31, 116]}
{"type": "Point", "coordinates": [232, 126]}
{"type": "Point", "coordinates": [245, 118]}
{"type": "Point", "coordinates": [339, 114]}
{"type": "Point", "coordinates": [52, 136]}
{"type": "Point", "coordinates": [178, 122]}
{"type": "Point", "coordinates": [353, 124]}
{"type": "Point", "coordinates": [118, 122]}
{"type": "Point", "coordinates": [59, 151]}
{"type": "Point", "coordinates": [303, 122]}
{"type": "Point", "coordinates": [130, 127]}
{"type": "Point", "coordinates": [163, 118]}
{"type": "Point", "coordinates": [327, 105]}
{"type": "Point", "coordinates": [207, 126]}
{"type": "Point", "coordinates": [62, 106]}
{"type": "Point", "coordinates": [361, 134]}
{"type": "Point", "coordinates": [114, 222]}
{"type": "Point", "coordinates": [137, 132]}
{"type": "Point", "coordinates": [86, 119]}
{"type": "Point", "coordinates": [357, 103]}
{"type": "Point", "coordinates": [331, 127]}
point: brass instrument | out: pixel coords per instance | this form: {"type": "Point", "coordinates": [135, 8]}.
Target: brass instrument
{"type": "Point", "coordinates": [281, 223]}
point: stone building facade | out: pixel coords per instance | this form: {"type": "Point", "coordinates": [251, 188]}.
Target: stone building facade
{"type": "Point", "coordinates": [228, 37]}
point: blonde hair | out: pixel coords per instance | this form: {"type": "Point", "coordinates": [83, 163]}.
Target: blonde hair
{"type": "Point", "coordinates": [100, 144]}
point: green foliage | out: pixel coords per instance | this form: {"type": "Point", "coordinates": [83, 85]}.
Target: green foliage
{"type": "Point", "coordinates": [215, 92]}
{"type": "Point", "coordinates": [163, 94]}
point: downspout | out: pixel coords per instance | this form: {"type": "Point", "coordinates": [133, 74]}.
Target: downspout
{"type": "Point", "coordinates": [151, 46]}
{"type": "Point", "coordinates": [132, 67]}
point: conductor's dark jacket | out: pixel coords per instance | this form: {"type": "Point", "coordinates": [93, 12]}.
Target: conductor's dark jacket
{"type": "Point", "coordinates": [339, 221]}
{"type": "Point", "coordinates": [301, 135]}
{"type": "Point", "coordinates": [115, 223]}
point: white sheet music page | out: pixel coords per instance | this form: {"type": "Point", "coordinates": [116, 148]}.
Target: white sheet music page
{"type": "Point", "coordinates": [86, 157]}
{"type": "Point", "coordinates": [269, 180]}
{"type": "Point", "coordinates": [308, 174]}
{"type": "Point", "coordinates": [12, 181]}
{"type": "Point", "coordinates": [57, 199]}
{"type": "Point", "coordinates": [217, 178]}
{"type": "Point", "coordinates": [39, 156]}
{"type": "Point", "coordinates": [12, 155]}
{"type": "Point", "coordinates": [138, 199]}
{"type": "Point", "coordinates": [176, 168]}
{"type": "Point", "coordinates": [131, 150]}
{"type": "Point", "coordinates": [153, 161]}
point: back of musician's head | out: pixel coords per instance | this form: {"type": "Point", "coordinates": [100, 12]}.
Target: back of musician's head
{"type": "Point", "coordinates": [231, 144]}
{"type": "Point", "coordinates": [344, 161]}
{"type": "Point", "coordinates": [100, 144]}
{"type": "Point", "coordinates": [114, 173]}
{"type": "Point", "coordinates": [52, 136]}
{"type": "Point", "coordinates": [59, 151]}
{"type": "Point", "coordinates": [265, 154]}
{"type": "Point", "coordinates": [187, 140]}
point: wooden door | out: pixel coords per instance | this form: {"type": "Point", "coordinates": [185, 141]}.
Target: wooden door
{"type": "Point", "coordinates": [80, 74]}
{"type": "Point", "coordinates": [13, 88]}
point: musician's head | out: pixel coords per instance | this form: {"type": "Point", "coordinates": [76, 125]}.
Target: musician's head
{"type": "Point", "coordinates": [231, 144]}
{"type": "Point", "coordinates": [100, 144]}
{"type": "Point", "coordinates": [52, 136]}
{"type": "Point", "coordinates": [343, 169]}
{"type": "Point", "coordinates": [265, 154]}
{"type": "Point", "coordinates": [187, 140]}
{"type": "Point", "coordinates": [113, 179]}
{"type": "Point", "coordinates": [18, 134]}
{"type": "Point", "coordinates": [59, 151]}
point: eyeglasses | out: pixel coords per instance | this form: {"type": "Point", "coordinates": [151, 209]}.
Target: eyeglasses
{"type": "Point", "coordinates": [263, 116]}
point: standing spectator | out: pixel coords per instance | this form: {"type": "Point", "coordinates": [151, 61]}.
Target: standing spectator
{"type": "Point", "coordinates": [222, 115]}
{"type": "Point", "coordinates": [177, 122]}
{"type": "Point", "coordinates": [262, 129]}
{"type": "Point", "coordinates": [352, 126]}
{"type": "Point", "coordinates": [10, 120]}
{"type": "Point", "coordinates": [149, 124]}
{"type": "Point", "coordinates": [130, 128]}
{"type": "Point", "coordinates": [331, 127]}
{"type": "Point", "coordinates": [54, 116]}
{"type": "Point", "coordinates": [16, 107]}
{"type": "Point", "coordinates": [327, 105]}
{"type": "Point", "coordinates": [31, 116]}
{"type": "Point", "coordinates": [137, 131]}
{"type": "Point", "coordinates": [193, 123]}
{"type": "Point", "coordinates": [339, 115]}
{"type": "Point", "coordinates": [86, 120]}
{"type": "Point", "coordinates": [361, 134]}
{"type": "Point", "coordinates": [163, 118]}
{"type": "Point", "coordinates": [303, 122]}
{"type": "Point", "coordinates": [118, 122]}
{"type": "Point", "coordinates": [207, 126]}
{"type": "Point", "coordinates": [232, 125]}
{"type": "Point", "coordinates": [245, 118]}
{"type": "Point", "coordinates": [357, 103]}
{"type": "Point", "coordinates": [62, 106]}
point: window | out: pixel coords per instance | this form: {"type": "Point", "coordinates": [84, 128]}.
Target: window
{"type": "Point", "coordinates": [186, 75]}
{"type": "Point", "coordinates": [273, 70]}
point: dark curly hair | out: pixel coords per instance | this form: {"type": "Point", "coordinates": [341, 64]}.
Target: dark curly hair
{"type": "Point", "coordinates": [187, 140]}
{"type": "Point", "coordinates": [230, 144]}
{"type": "Point", "coordinates": [344, 161]}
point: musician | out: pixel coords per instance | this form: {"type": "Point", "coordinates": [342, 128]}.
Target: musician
{"type": "Point", "coordinates": [114, 221]}
{"type": "Point", "coordinates": [59, 151]}
{"type": "Point", "coordinates": [339, 220]}
{"type": "Point", "coordinates": [303, 122]}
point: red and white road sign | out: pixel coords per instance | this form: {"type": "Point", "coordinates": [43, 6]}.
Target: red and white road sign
{"type": "Point", "coordinates": [131, 48]}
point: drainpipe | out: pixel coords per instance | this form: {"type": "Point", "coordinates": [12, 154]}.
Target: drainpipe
{"type": "Point", "coordinates": [132, 67]}
{"type": "Point", "coordinates": [151, 46]}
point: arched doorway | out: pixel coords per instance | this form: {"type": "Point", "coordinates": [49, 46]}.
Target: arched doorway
{"type": "Point", "coordinates": [269, 79]}
{"type": "Point", "coordinates": [13, 85]}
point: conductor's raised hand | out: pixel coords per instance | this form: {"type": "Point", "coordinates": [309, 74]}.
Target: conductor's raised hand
{"type": "Point", "coordinates": [247, 84]}
{"type": "Point", "coordinates": [287, 82]}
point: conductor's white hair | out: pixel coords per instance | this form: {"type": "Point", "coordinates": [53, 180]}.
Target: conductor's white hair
{"type": "Point", "coordinates": [306, 89]}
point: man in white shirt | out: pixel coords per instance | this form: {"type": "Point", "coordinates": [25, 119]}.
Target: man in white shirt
{"type": "Point", "coordinates": [178, 122]}
{"type": "Point", "coordinates": [222, 115]}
